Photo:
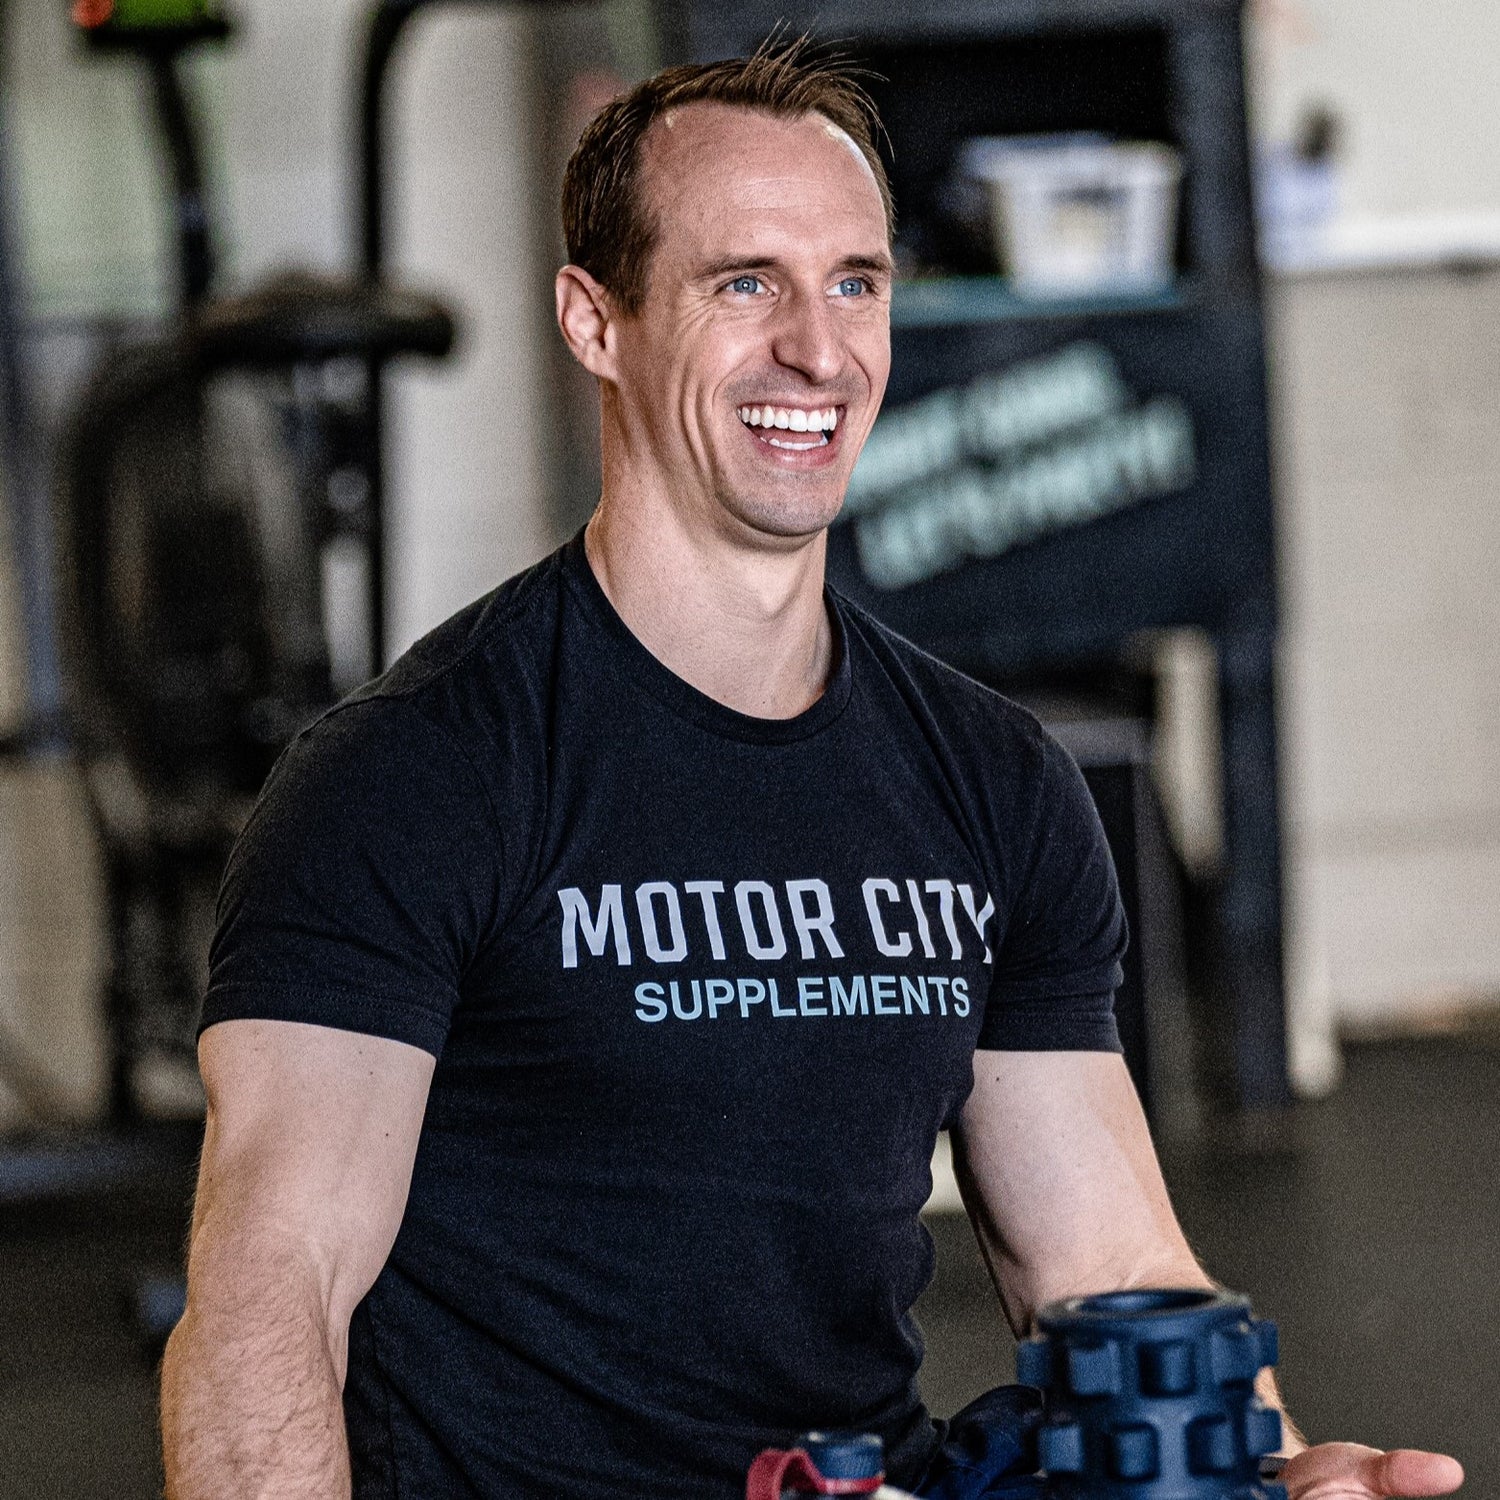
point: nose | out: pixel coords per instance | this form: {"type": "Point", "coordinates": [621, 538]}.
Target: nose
{"type": "Point", "coordinates": [807, 338]}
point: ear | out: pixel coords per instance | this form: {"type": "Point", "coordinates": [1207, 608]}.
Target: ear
{"type": "Point", "coordinates": [586, 318]}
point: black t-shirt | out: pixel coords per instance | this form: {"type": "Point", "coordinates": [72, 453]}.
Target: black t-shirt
{"type": "Point", "coordinates": [703, 989]}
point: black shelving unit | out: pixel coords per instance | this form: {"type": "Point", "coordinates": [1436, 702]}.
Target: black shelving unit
{"type": "Point", "coordinates": [1057, 584]}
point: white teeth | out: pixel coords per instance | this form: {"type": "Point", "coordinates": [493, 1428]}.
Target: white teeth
{"type": "Point", "coordinates": [793, 418]}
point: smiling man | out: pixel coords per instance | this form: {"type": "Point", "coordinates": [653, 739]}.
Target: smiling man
{"type": "Point", "coordinates": [590, 990]}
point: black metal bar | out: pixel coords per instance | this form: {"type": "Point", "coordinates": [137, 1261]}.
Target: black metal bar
{"type": "Point", "coordinates": [1249, 899]}
{"type": "Point", "coordinates": [387, 23]}
{"type": "Point", "coordinates": [194, 245]}
{"type": "Point", "coordinates": [65, 1164]}
{"type": "Point", "coordinates": [1208, 68]}
{"type": "Point", "coordinates": [39, 734]}
{"type": "Point", "coordinates": [702, 32]}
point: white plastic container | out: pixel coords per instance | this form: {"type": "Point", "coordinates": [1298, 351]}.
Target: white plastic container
{"type": "Point", "coordinates": [1080, 215]}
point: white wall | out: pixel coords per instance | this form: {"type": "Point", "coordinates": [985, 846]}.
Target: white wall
{"type": "Point", "coordinates": [279, 102]}
{"type": "Point", "coordinates": [1387, 436]}
{"type": "Point", "coordinates": [468, 469]}
{"type": "Point", "coordinates": [1390, 537]}
{"type": "Point", "coordinates": [1415, 84]}
{"type": "Point", "coordinates": [94, 227]}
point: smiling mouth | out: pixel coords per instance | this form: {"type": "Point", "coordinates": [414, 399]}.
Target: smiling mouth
{"type": "Point", "coordinates": [796, 428]}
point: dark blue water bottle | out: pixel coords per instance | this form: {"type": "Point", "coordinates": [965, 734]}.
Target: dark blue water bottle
{"type": "Point", "coordinates": [819, 1463]}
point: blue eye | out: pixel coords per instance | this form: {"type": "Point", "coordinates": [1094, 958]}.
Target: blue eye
{"type": "Point", "coordinates": [746, 286]}
{"type": "Point", "coordinates": [853, 286]}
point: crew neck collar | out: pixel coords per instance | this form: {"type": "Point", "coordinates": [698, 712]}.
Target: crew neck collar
{"type": "Point", "coordinates": [681, 696]}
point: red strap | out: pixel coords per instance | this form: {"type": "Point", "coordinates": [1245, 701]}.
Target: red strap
{"type": "Point", "coordinates": [778, 1468]}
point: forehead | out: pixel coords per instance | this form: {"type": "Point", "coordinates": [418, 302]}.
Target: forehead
{"type": "Point", "coordinates": [714, 172]}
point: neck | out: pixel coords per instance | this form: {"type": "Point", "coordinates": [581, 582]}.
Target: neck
{"type": "Point", "coordinates": [744, 624]}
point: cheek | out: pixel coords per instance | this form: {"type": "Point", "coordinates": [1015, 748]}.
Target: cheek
{"type": "Point", "coordinates": [716, 362]}
{"type": "Point", "coordinates": [651, 379]}
{"type": "Point", "coordinates": [730, 344]}
{"type": "Point", "coordinates": [638, 365]}
{"type": "Point", "coordinates": [872, 349]}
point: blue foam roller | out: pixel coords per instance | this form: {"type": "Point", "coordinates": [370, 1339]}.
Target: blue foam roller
{"type": "Point", "coordinates": [1150, 1395]}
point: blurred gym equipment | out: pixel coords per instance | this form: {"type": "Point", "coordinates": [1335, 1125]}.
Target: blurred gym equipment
{"type": "Point", "coordinates": [214, 488]}
{"type": "Point", "coordinates": [219, 580]}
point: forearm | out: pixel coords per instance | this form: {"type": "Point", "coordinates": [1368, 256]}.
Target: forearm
{"type": "Point", "coordinates": [1028, 1285]}
{"type": "Point", "coordinates": [251, 1390]}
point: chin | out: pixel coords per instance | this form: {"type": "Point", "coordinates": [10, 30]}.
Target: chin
{"type": "Point", "coordinates": [788, 518]}
{"type": "Point", "coordinates": [790, 507]}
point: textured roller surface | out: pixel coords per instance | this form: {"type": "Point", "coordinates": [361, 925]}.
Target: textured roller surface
{"type": "Point", "coordinates": [1150, 1396]}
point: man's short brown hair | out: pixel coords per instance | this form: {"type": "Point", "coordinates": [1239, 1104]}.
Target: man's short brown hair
{"type": "Point", "coordinates": [606, 222]}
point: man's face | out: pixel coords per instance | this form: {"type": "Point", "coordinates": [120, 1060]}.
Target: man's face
{"type": "Point", "coordinates": [751, 375]}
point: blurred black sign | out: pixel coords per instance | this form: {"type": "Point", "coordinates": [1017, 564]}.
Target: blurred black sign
{"type": "Point", "coordinates": [970, 471]}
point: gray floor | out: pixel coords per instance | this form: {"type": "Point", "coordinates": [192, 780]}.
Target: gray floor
{"type": "Point", "coordinates": [77, 1390]}
{"type": "Point", "coordinates": [1374, 1244]}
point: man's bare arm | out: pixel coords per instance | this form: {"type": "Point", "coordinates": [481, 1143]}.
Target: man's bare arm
{"type": "Point", "coordinates": [1061, 1180]}
{"type": "Point", "coordinates": [1062, 1184]}
{"type": "Point", "coordinates": [307, 1161]}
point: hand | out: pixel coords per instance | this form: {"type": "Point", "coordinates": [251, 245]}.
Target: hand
{"type": "Point", "coordinates": [1350, 1471]}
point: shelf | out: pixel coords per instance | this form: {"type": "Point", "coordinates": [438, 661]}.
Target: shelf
{"type": "Point", "coordinates": [1407, 242]}
{"type": "Point", "coordinates": [718, 31]}
{"type": "Point", "coordinates": [960, 301]}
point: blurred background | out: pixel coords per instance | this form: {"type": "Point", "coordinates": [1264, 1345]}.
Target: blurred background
{"type": "Point", "coordinates": [1190, 445]}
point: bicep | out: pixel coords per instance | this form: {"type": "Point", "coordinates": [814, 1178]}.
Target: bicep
{"type": "Point", "coordinates": [308, 1151]}
{"type": "Point", "coordinates": [1061, 1180]}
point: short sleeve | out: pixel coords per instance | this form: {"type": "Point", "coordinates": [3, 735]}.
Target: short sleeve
{"type": "Point", "coordinates": [363, 884]}
{"type": "Point", "coordinates": [1058, 965]}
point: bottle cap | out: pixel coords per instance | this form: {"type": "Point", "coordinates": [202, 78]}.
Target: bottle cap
{"type": "Point", "coordinates": [845, 1456]}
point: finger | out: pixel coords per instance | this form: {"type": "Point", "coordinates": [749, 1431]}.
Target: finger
{"type": "Point", "coordinates": [1411, 1472]}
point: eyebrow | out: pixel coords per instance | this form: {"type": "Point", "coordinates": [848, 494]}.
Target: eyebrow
{"type": "Point", "coordinates": [880, 264]}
